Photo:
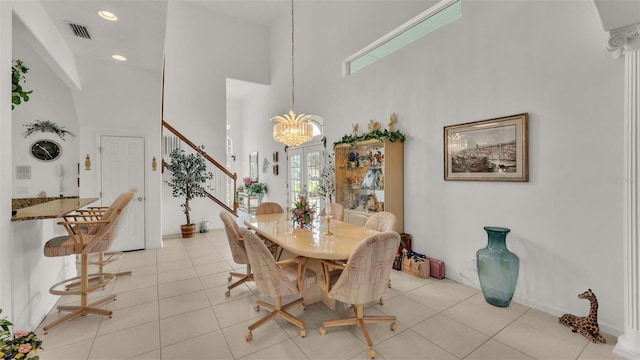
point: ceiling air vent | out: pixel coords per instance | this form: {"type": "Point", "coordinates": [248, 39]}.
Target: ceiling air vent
{"type": "Point", "coordinates": [79, 30]}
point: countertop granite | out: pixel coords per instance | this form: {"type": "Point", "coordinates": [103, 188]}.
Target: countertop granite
{"type": "Point", "coordinates": [52, 209]}
{"type": "Point", "coordinates": [19, 203]}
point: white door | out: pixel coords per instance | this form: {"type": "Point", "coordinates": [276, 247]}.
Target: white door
{"type": "Point", "coordinates": [305, 164]}
{"type": "Point", "coordinates": [122, 168]}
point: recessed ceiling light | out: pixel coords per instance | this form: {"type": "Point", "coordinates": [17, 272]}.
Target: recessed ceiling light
{"type": "Point", "coordinates": [119, 57]}
{"type": "Point", "coordinates": [107, 15]}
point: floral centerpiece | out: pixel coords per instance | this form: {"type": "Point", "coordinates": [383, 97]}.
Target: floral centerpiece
{"type": "Point", "coordinates": [22, 345]}
{"type": "Point", "coordinates": [302, 212]}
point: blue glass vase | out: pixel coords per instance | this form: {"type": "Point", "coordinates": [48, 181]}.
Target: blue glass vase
{"type": "Point", "coordinates": [497, 268]}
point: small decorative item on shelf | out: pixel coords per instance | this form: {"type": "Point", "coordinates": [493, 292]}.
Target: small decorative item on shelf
{"type": "Point", "coordinates": [302, 212]}
{"type": "Point", "coordinates": [497, 268]}
{"type": "Point", "coordinates": [22, 345]}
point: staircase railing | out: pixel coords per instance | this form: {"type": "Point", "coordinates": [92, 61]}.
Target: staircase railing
{"type": "Point", "coordinates": [222, 192]}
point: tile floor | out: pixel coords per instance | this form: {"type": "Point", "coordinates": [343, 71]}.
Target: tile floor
{"type": "Point", "coordinates": [174, 307]}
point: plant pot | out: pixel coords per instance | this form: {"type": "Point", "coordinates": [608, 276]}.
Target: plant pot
{"type": "Point", "coordinates": [188, 231]}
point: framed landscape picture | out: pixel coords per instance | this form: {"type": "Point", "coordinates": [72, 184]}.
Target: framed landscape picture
{"type": "Point", "coordinates": [487, 150]}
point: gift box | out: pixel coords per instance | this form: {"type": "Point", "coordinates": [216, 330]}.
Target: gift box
{"type": "Point", "coordinates": [436, 268]}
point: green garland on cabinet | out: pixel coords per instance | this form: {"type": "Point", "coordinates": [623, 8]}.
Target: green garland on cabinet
{"type": "Point", "coordinates": [375, 134]}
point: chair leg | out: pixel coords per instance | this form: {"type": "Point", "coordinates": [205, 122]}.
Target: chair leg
{"type": "Point", "coordinates": [278, 310]}
{"type": "Point", "coordinates": [111, 257]}
{"type": "Point", "coordinates": [243, 279]}
{"type": "Point", "coordinates": [361, 321]}
{"type": "Point", "coordinates": [87, 284]}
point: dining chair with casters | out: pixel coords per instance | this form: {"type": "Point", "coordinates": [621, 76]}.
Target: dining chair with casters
{"type": "Point", "coordinates": [79, 241]}
{"type": "Point", "coordinates": [276, 279]}
{"type": "Point", "coordinates": [238, 252]}
{"type": "Point", "coordinates": [361, 280]}
{"type": "Point", "coordinates": [337, 211]}
{"type": "Point", "coordinates": [270, 208]}
{"type": "Point", "coordinates": [382, 221]}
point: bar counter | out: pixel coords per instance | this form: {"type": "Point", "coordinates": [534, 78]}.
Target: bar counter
{"type": "Point", "coordinates": [52, 209]}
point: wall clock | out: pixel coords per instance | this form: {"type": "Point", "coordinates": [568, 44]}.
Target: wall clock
{"type": "Point", "coordinates": [46, 150]}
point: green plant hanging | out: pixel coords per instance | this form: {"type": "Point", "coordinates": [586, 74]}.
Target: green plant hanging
{"type": "Point", "coordinates": [18, 94]}
{"type": "Point", "coordinates": [45, 126]}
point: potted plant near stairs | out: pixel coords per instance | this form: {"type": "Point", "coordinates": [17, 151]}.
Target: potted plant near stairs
{"type": "Point", "coordinates": [257, 189]}
{"type": "Point", "coordinates": [188, 178]}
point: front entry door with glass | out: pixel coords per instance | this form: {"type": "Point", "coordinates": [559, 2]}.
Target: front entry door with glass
{"type": "Point", "coordinates": [304, 165]}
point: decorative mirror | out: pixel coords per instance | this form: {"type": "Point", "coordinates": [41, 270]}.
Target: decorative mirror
{"type": "Point", "coordinates": [253, 166]}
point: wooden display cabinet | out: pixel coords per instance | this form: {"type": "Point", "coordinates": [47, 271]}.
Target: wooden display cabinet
{"type": "Point", "coordinates": [370, 178]}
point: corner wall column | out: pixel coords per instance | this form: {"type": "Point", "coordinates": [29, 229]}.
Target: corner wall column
{"type": "Point", "coordinates": [626, 42]}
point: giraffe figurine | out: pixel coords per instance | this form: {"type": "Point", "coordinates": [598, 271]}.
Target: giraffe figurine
{"type": "Point", "coordinates": [585, 325]}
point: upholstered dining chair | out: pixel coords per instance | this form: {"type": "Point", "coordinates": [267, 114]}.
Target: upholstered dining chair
{"type": "Point", "coordinates": [276, 279]}
{"type": "Point", "coordinates": [86, 237]}
{"type": "Point", "coordinates": [238, 252]}
{"type": "Point", "coordinates": [337, 211]}
{"type": "Point", "coordinates": [382, 221]}
{"type": "Point", "coordinates": [361, 280]}
{"type": "Point", "coordinates": [270, 208]}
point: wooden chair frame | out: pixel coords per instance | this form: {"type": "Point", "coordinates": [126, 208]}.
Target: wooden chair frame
{"type": "Point", "coordinates": [87, 237]}
{"type": "Point", "coordinates": [278, 310]}
{"type": "Point", "coordinates": [359, 319]}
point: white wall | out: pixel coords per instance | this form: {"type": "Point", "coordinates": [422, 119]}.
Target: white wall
{"type": "Point", "coordinates": [202, 50]}
{"type": "Point", "coordinates": [51, 100]}
{"type": "Point", "coordinates": [6, 230]}
{"type": "Point", "coordinates": [122, 101]}
{"type": "Point", "coordinates": [501, 58]}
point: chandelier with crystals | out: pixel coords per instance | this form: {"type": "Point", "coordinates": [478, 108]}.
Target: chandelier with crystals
{"type": "Point", "coordinates": [292, 129]}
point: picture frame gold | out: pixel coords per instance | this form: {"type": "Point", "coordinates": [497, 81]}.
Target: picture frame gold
{"type": "Point", "coordinates": [488, 150]}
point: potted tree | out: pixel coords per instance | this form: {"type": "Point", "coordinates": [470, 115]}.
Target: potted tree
{"type": "Point", "coordinates": [188, 176]}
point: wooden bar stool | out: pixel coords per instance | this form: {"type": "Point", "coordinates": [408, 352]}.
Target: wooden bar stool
{"type": "Point", "coordinates": [86, 237]}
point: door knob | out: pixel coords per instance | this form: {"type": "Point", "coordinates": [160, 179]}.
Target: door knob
{"type": "Point", "coordinates": [140, 198]}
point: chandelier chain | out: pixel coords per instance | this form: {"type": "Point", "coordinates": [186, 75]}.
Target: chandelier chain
{"type": "Point", "coordinates": [293, 77]}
